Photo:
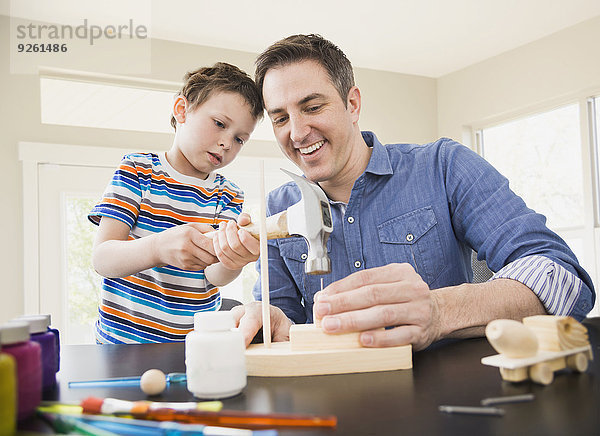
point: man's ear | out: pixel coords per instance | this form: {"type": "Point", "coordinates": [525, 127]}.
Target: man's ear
{"type": "Point", "coordinates": [179, 109]}
{"type": "Point", "coordinates": [353, 103]}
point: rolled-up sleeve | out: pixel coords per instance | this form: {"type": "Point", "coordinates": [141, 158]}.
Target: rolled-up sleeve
{"type": "Point", "coordinates": [560, 291]}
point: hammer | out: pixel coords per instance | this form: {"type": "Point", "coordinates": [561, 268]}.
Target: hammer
{"type": "Point", "coordinates": [309, 218]}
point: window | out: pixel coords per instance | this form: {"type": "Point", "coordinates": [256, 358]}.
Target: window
{"type": "Point", "coordinates": [541, 157]}
{"type": "Point", "coordinates": [128, 106]}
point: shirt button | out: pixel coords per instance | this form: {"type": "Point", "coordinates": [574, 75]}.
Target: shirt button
{"type": "Point", "coordinates": [410, 237]}
{"type": "Point", "coordinates": [357, 264]}
{"type": "Point", "coordinates": [303, 256]}
{"type": "Point", "coordinates": [350, 219]}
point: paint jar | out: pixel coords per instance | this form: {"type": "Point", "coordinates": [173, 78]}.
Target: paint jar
{"type": "Point", "coordinates": [8, 394]}
{"type": "Point", "coordinates": [48, 340]}
{"type": "Point", "coordinates": [14, 337]}
{"type": "Point", "coordinates": [215, 357]}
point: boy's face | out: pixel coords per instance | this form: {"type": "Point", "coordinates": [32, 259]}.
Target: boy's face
{"type": "Point", "coordinates": [210, 136]}
{"type": "Point", "coordinates": [313, 126]}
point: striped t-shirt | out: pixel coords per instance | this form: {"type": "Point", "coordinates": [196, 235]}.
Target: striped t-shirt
{"type": "Point", "coordinates": [158, 304]}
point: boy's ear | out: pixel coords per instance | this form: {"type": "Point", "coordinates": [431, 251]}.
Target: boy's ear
{"type": "Point", "coordinates": [179, 109]}
{"type": "Point", "coordinates": [354, 103]}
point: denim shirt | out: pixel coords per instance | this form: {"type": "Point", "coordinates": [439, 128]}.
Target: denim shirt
{"type": "Point", "coordinates": [426, 205]}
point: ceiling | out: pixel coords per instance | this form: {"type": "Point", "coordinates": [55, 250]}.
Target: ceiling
{"type": "Point", "coordinates": [427, 37]}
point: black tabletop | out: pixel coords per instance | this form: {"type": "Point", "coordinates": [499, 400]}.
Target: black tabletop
{"type": "Point", "coordinates": [383, 403]}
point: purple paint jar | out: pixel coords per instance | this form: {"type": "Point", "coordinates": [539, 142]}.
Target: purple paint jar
{"type": "Point", "coordinates": [14, 337]}
{"type": "Point", "coordinates": [40, 333]}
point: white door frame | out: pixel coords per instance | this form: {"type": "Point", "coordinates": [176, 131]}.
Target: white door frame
{"type": "Point", "coordinates": [33, 154]}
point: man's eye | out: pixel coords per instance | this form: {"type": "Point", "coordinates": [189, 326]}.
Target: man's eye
{"type": "Point", "coordinates": [239, 141]}
{"type": "Point", "coordinates": [313, 108]}
{"type": "Point", "coordinates": [219, 124]}
{"type": "Point", "coordinates": [280, 120]}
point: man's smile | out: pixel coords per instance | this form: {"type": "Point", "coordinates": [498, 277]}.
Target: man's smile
{"type": "Point", "coordinates": [311, 148]}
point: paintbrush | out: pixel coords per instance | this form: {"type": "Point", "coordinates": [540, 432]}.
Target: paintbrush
{"type": "Point", "coordinates": [192, 415]}
{"type": "Point", "coordinates": [99, 425]}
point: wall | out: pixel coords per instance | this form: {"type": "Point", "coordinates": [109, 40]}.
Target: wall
{"type": "Point", "coordinates": [398, 107]}
{"type": "Point", "coordinates": [546, 71]}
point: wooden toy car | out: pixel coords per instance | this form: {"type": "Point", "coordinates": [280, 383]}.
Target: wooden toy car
{"type": "Point", "coordinates": [537, 347]}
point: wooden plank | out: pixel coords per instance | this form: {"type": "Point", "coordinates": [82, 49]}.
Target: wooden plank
{"type": "Point", "coordinates": [305, 337]}
{"type": "Point", "coordinates": [281, 361]}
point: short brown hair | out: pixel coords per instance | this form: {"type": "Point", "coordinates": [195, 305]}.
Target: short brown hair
{"type": "Point", "coordinates": [297, 48]}
{"type": "Point", "coordinates": [201, 83]}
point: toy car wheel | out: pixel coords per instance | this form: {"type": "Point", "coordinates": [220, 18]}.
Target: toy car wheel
{"type": "Point", "coordinates": [578, 362]}
{"type": "Point", "coordinates": [541, 373]}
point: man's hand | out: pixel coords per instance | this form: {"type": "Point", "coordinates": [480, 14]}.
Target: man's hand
{"type": "Point", "coordinates": [248, 318]}
{"type": "Point", "coordinates": [185, 247]}
{"type": "Point", "coordinates": [235, 247]}
{"type": "Point", "coordinates": [390, 296]}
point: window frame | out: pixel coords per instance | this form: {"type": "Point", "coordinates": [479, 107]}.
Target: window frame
{"type": "Point", "coordinates": [589, 232]}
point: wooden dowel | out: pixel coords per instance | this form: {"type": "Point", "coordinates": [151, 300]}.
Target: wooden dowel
{"type": "Point", "coordinates": [264, 260]}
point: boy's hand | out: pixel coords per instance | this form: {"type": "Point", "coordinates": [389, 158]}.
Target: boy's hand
{"type": "Point", "coordinates": [235, 247]}
{"type": "Point", "coordinates": [185, 247]}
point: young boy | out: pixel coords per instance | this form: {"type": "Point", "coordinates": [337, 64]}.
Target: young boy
{"type": "Point", "coordinates": [150, 246]}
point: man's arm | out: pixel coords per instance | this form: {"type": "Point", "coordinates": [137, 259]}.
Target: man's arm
{"type": "Point", "coordinates": [395, 295]}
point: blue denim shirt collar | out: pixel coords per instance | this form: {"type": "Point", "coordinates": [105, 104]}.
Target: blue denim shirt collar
{"type": "Point", "coordinates": [380, 161]}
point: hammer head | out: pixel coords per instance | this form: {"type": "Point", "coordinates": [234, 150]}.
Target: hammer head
{"type": "Point", "coordinates": [311, 219]}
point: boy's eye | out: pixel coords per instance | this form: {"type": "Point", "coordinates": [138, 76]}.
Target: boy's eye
{"type": "Point", "coordinates": [240, 141]}
{"type": "Point", "coordinates": [219, 124]}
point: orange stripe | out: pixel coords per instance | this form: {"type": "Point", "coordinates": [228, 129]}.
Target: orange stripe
{"type": "Point", "coordinates": [197, 296]}
{"type": "Point", "coordinates": [122, 205]}
{"type": "Point", "coordinates": [156, 212]}
{"type": "Point", "coordinates": [143, 321]}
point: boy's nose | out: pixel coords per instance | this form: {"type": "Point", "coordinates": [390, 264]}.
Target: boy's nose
{"type": "Point", "coordinates": [223, 143]}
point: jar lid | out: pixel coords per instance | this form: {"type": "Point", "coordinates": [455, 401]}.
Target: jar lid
{"type": "Point", "coordinates": [213, 321]}
{"type": "Point", "coordinates": [37, 323]}
{"type": "Point", "coordinates": [14, 332]}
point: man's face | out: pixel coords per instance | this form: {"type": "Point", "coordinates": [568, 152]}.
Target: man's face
{"type": "Point", "coordinates": [312, 124]}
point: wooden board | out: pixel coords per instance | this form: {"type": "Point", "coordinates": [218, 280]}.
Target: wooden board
{"type": "Point", "coordinates": [280, 361]}
{"type": "Point", "coordinates": [304, 337]}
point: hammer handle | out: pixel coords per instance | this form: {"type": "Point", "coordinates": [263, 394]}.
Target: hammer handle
{"type": "Point", "coordinates": [276, 227]}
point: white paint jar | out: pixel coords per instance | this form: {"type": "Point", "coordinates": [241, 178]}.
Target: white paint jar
{"type": "Point", "coordinates": [215, 357]}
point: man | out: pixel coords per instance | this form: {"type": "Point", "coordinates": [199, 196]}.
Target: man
{"type": "Point", "coordinates": [406, 218]}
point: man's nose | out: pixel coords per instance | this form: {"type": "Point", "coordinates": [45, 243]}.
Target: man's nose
{"type": "Point", "coordinates": [299, 129]}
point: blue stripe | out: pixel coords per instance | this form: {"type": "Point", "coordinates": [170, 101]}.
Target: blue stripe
{"type": "Point", "coordinates": [128, 332]}
{"type": "Point", "coordinates": [153, 302]}
{"type": "Point", "coordinates": [174, 271]}
{"type": "Point", "coordinates": [122, 182]}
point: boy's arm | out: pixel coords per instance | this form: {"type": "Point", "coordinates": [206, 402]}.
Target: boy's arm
{"type": "Point", "coordinates": [218, 275]}
{"type": "Point", "coordinates": [182, 246]}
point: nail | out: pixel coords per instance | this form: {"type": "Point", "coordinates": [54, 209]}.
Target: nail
{"type": "Point", "coordinates": [366, 339]}
{"type": "Point", "coordinates": [330, 324]}
{"type": "Point", "coordinates": [322, 309]}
